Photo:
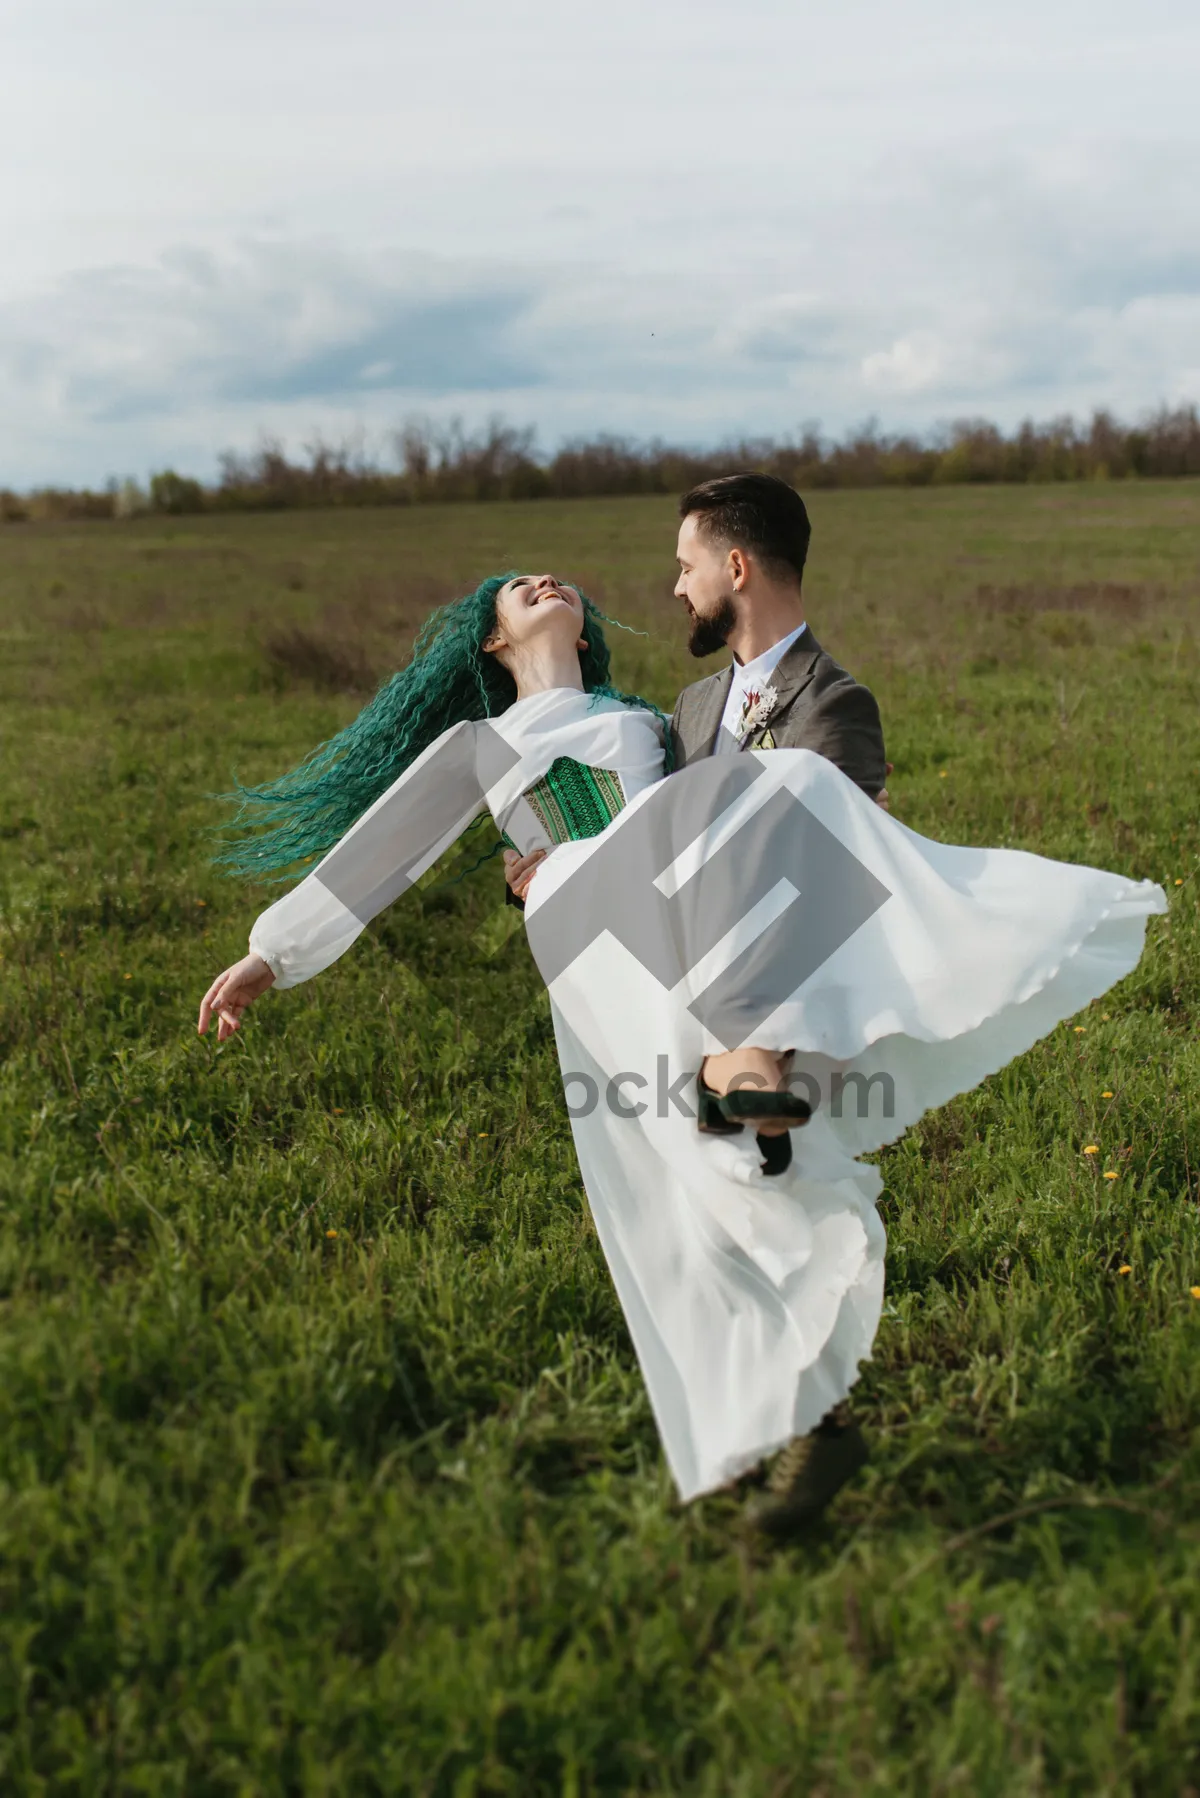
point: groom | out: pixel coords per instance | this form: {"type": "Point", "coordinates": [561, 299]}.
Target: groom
{"type": "Point", "coordinates": [743, 542]}
{"type": "Point", "coordinates": [742, 546]}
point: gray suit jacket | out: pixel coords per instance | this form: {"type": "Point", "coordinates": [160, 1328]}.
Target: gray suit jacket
{"type": "Point", "coordinates": [819, 707]}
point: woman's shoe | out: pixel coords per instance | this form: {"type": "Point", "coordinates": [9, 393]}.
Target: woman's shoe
{"type": "Point", "coordinates": [746, 1102]}
{"type": "Point", "coordinates": [776, 1152]}
{"type": "Point", "coordinates": [721, 1114]}
{"type": "Point", "coordinates": [709, 1116]}
{"type": "Point", "coordinates": [727, 1113]}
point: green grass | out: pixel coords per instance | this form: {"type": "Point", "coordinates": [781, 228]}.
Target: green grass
{"type": "Point", "coordinates": [383, 1511]}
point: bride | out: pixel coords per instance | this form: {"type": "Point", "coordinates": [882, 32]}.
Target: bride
{"type": "Point", "coordinates": [756, 977]}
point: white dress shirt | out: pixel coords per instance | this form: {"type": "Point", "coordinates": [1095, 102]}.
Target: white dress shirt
{"type": "Point", "coordinates": [756, 674]}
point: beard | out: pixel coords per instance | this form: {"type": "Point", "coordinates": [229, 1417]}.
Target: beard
{"type": "Point", "coordinates": [712, 633]}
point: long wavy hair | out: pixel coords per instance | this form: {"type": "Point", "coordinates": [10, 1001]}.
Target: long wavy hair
{"type": "Point", "coordinates": [451, 679]}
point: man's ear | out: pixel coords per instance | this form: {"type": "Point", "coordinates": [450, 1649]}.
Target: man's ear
{"type": "Point", "coordinates": [738, 569]}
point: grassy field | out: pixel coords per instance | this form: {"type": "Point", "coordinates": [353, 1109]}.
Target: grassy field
{"type": "Point", "coordinates": [326, 1465]}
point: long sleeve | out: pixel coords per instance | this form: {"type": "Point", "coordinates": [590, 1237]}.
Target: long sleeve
{"type": "Point", "coordinates": [385, 852]}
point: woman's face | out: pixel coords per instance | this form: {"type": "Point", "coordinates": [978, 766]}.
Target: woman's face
{"type": "Point", "coordinates": [533, 604]}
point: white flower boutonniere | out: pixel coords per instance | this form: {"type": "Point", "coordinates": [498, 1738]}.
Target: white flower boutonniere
{"type": "Point", "coordinates": [757, 707]}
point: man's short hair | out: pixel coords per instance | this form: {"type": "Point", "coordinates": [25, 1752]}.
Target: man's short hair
{"type": "Point", "coordinates": [757, 513]}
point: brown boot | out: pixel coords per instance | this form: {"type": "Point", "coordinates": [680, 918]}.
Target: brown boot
{"type": "Point", "coordinates": [807, 1473]}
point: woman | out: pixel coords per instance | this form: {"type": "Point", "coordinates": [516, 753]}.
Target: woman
{"type": "Point", "coordinates": [714, 945]}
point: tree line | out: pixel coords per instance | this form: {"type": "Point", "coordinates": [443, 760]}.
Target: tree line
{"type": "Point", "coordinates": [429, 463]}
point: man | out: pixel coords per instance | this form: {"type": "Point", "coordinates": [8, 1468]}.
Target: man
{"type": "Point", "coordinates": [743, 543]}
{"type": "Point", "coordinates": [742, 547]}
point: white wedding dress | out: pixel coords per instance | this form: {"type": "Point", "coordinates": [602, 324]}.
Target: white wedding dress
{"type": "Point", "coordinates": [753, 898]}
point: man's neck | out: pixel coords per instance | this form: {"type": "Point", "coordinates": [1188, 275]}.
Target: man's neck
{"type": "Point", "coordinates": [764, 624]}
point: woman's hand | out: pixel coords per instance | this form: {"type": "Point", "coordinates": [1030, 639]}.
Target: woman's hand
{"type": "Point", "coordinates": [231, 992]}
{"type": "Point", "coordinates": [519, 870]}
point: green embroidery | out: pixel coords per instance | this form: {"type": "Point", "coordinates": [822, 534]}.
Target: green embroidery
{"type": "Point", "coordinates": [572, 801]}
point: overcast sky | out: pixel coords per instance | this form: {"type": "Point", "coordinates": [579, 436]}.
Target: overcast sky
{"type": "Point", "coordinates": [686, 218]}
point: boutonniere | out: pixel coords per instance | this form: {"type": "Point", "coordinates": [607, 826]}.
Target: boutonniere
{"type": "Point", "coordinates": [757, 707]}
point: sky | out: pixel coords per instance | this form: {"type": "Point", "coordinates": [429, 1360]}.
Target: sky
{"type": "Point", "coordinates": [687, 219]}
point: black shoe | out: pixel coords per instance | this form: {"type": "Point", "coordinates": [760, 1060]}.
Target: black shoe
{"type": "Point", "coordinates": [776, 1152]}
{"type": "Point", "coordinates": [720, 1114]}
{"type": "Point", "coordinates": [710, 1117]}
{"type": "Point", "coordinates": [746, 1102]}
{"type": "Point", "coordinates": [807, 1474]}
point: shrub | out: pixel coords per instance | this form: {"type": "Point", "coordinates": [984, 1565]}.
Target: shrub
{"type": "Point", "coordinates": [175, 493]}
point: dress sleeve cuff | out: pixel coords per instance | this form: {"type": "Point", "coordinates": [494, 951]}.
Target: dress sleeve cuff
{"type": "Point", "coordinates": [273, 960]}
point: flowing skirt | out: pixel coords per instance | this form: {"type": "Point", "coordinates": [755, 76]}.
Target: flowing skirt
{"type": "Point", "coordinates": [765, 899]}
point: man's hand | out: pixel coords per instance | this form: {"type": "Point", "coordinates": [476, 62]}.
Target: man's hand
{"type": "Point", "coordinates": [881, 798]}
{"type": "Point", "coordinates": [231, 992]}
{"type": "Point", "coordinates": [519, 870]}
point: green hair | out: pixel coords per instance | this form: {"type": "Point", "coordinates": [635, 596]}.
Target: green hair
{"type": "Point", "coordinates": [450, 679]}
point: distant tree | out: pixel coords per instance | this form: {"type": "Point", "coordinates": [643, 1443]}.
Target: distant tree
{"type": "Point", "coordinates": [175, 493]}
{"type": "Point", "coordinates": [432, 462]}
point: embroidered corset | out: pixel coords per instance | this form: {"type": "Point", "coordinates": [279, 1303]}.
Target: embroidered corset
{"type": "Point", "coordinates": [572, 800]}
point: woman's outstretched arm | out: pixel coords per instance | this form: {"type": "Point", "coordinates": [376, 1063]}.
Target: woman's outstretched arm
{"type": "Point", "coordinates": [397, 838]}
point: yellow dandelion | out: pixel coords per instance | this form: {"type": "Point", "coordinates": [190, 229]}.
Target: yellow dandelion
{"type": "Point", "coordinates": [1125, 1268]}
{"type": "Point", "coordinates": [339, 1111]}
{"type": "Point", "coordinates": [1079, 1029]}
{"type": "Point", "coordinates": [482, 1133]}
{"type": "Point", "coordinates": [1106, 1094]}
{"type": "Point", "coordinates": [1111, 1174]}
{"type": "Point", "coordinates": [1105, 1016]}
{"type": "Point", "coordinates": [129, 976]}
{"type": "Point", "coordinates": [1179, 883]}
{"type": "Point", "coordinates": [331, 1232]}
{"type": "Point", "coordinates": [1093, 1148]}
{"type": "Point", "coordinates": [941, 774]}
{"type": "Point", "coordinates": [202, 902]}
{"type": "Point", "coordinates": [1195, 1291]}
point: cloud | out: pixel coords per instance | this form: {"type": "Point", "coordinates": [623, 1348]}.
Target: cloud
{"type": "Point", "coordinates": [267, 323]}
{"type": "Point", "coordinates": [789, 327]}
{"type": "Point", "coordinates": [996, 284]}
{"type": "Point", "coordinates": [912, 365]}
